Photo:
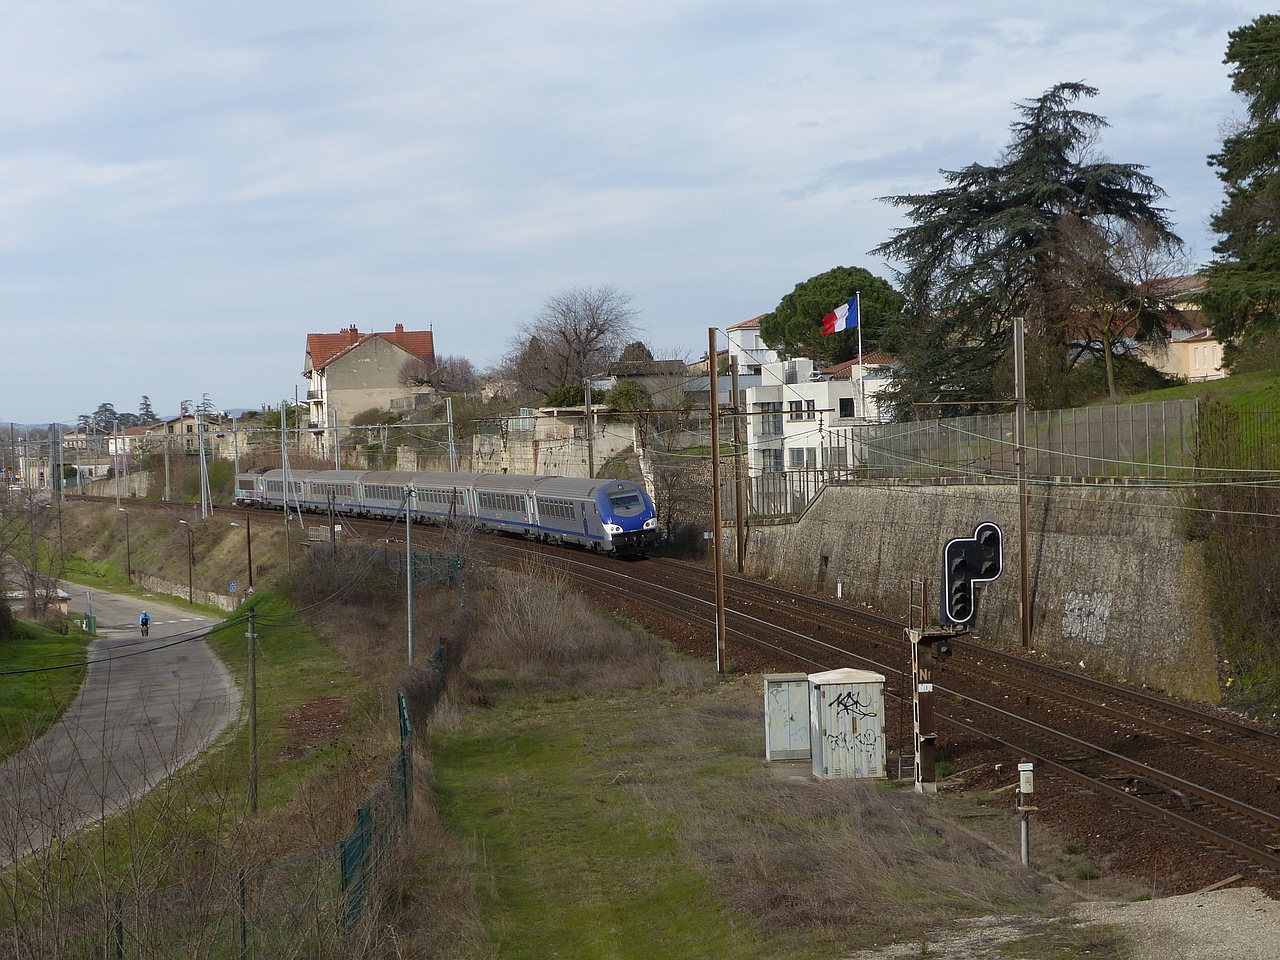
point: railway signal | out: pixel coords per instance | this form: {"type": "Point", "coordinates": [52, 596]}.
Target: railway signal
{"type": "Point", "coordinates": [967, 563]}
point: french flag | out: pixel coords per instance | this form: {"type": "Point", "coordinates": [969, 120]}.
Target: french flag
{"type": "Point", "coordinates": [843, 317]}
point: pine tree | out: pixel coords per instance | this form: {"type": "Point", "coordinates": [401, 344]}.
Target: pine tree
{"type": "Point", "coordinates": [145, 413]}
{"type": "Point", "coordinates": [795, 326]}
{"type": "Point", "coordinates": [985, 250]}
{"type": "Point", "coordinates": [1242, 296]}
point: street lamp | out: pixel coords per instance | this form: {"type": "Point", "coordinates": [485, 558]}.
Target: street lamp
{"type": "Point", "coordinates": [248, 546]}
{"type": "Point", "coordinates": [191, 593]}
{"type": "Point", "coordinates": [128, 552]}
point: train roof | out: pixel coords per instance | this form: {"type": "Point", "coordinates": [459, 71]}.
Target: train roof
{"type": "Point", "coordinates": [420, 479]}
{"type": "Point", "coordinates": [332, 476]}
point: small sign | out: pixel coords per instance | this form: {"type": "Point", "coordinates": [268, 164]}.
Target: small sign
{"type": "Point", "coordinates": [926, 688]}
{"type": "Point", "coordinates": [233, 586]}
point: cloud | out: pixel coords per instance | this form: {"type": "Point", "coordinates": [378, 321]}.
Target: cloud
{"type": "Point", "coordinates": [187, 190]}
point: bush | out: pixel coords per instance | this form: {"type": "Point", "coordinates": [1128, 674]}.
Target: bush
{"type": "Point", "coordinates": [8, 625]}
{"type": "Point", "coordinates": [542, 635]}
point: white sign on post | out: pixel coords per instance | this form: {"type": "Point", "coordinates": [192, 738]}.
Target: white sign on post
{"type": "Point", "coordinates": [233, 586]}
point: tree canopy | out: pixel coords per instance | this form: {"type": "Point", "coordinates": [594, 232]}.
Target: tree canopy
{"type": "Point", "coordinates": [985, 249]}
{"type": "Point", "coordinates": [794, 328]}
{"type": "Point", "coordinates": [1242, 294]}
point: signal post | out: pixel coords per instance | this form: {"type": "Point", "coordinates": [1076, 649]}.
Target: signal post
{"type": "Point", "coordinates": [967, 563]}
{"type": "Point", "coordinates": [928, 648]}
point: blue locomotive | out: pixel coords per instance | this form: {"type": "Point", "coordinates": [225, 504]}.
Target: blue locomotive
{"type": "Point", "coordinates": [610, 516]}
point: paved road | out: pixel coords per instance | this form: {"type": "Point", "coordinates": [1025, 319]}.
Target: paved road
{"type": "Point", "coordinates": [141, 714]}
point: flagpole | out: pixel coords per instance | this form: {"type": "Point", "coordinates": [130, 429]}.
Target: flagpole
{"type": "Point", "coordinates": [862, 391]}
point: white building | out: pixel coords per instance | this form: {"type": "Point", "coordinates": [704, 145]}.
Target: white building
{"type": "Point", "coordinates": [746, 345]}
{"type": "Point", "coordinates": [798, 411]}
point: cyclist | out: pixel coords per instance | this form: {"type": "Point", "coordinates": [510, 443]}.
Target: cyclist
{"type": "Point", "coordinates": [144, 622]}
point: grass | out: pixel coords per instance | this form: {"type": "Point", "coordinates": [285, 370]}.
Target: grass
{"type": "Point", "coordinates": [641, 823]}
{"type": "Point", "coordinates": [1256, 390]}
{"type": "Point", "coordinates": [576, 865]}
{"type": "Point", "coordinates": [30, 703]}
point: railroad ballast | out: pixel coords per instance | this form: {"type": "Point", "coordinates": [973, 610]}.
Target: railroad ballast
{"type": "Point", "coordinates": [610, 516]}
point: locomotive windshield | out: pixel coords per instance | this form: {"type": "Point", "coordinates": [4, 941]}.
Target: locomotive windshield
{"type": "Point", "coordinates": [625, 502]}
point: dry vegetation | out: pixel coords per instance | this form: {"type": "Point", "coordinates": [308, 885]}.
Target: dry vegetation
{"type": "Point", "coordinates": [828, 862]}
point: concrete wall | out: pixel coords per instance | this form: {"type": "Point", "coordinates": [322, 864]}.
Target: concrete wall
{"type": "Point", "coordinates": [364, 378]}
{"type": "Point", "coordinates": [1113, 581]}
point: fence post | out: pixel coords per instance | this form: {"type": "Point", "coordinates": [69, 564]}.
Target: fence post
{"type": "Point", "coordinates": [244, 920]}
{"type": "Point", "coordinates": [355, 866]}
{"type": "Point", "coordinates": [119, 927]}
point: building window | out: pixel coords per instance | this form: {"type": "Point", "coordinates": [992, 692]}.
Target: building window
{"type": "Point", "coordinates": [796, 408]}
{"type": "Point", "coordinates": [809, 409]}
{"type": "Point", "coordinates": [803, 458]}
{"type": "Point", "coordinates": [835, 457]}
{"type": "Point", "coordinates": [846, 408]}
{"type": "Point", "coordinates": [771, 421]}
{"type": "Point", "coordinates": [771, 461]}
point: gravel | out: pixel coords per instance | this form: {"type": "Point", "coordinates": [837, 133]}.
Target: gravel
{"type": "Point", "coordinates": [1240, 923]}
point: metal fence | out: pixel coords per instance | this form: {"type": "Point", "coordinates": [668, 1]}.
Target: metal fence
{"type": "Point", "coordinates": [1150, 441]}
{"type": "Point", "coordinates": [1147, 440]}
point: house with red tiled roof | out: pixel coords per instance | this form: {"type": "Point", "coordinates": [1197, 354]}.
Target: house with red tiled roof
{"type": "Point", "coordinates": [350, 372]}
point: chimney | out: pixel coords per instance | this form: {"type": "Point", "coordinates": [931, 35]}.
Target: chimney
{"type": "Point", "coordinates": [399, 330]}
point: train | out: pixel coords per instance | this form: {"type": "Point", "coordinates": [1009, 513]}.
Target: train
{"type": "Point", "coordinates": [616, 517]}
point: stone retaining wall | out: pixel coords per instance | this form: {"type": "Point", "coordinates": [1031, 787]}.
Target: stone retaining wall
{"type": "Point", "coordinates": [220, 600]}
{"type": "Point", "coordinates": [1114, 582]}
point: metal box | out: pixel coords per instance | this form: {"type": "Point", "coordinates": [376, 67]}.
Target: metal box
{"type": "Point", "coordinates": [786, 716]}
{"type": "Point", "coordinates": [846, 716]}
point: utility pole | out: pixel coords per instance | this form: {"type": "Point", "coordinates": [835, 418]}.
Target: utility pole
{"type": "Point", "coordinates": [235, 442]}
{"type": "Point", "coordinates": [337, 449]}
{"type": "Point", "coordinates": [1020, 417]}
{"type": "Point", "coordinates": [713, 367]}
{"type": "Point", "coordinates": [206, 497]}
{"type": "Point", "coordinates": [739, 517]}
{"type": "Point", "coordinates": [408, 560]}
{"type": "Point", "coordinates": [253, 711]}
{"type": "Point", "coordinates": [166, 465]}
{"type": "Point", "coordinates": [115, 459]}
{"type": "Point", "coordinates": [586, 406]}
{"type": "Point", "coordinates": [453, 452]}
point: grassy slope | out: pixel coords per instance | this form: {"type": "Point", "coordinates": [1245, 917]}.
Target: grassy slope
{"type": "Point", "coordinates": [31, 702]}
{"type": "Point", "coordinates": [579, 867]}
{"type": "Point", "coordinates": [1246, 391]}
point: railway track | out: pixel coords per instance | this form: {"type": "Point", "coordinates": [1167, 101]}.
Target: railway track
{"type": "Point", "coordinates": [1218, 783]}
{"type": "Point", "coordinates": [1206, 775]}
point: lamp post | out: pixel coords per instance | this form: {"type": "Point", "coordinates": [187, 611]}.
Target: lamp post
{"type": "Point", "coordinates": [191, 593]}
{"type": "Point", "coordinates": [128, 551]}
{"type": "Point", "coordinates": [248, 546]}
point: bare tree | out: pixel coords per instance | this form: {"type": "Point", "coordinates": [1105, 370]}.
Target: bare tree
{"type": "Point", "coordinates": [35, 556]}
{"type": "Point", "coordinates": [1112, 287]}
{"type": "Point", "coordinates": [447, 375]}
{"type": "Point", "coordinates": [575, 335]}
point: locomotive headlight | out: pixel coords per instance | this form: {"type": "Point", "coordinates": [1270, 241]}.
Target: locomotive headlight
{"type": "Point", "coordinates": [612, 528]}
{"type": "Point", "coordinates": [651, 523]}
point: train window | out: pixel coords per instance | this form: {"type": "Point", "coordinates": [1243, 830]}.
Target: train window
{"type": "Point", "coordinates": [625, 501]}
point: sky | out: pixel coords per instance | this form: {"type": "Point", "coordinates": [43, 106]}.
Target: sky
{"type": "Point", "coordinates": [188, 189]}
